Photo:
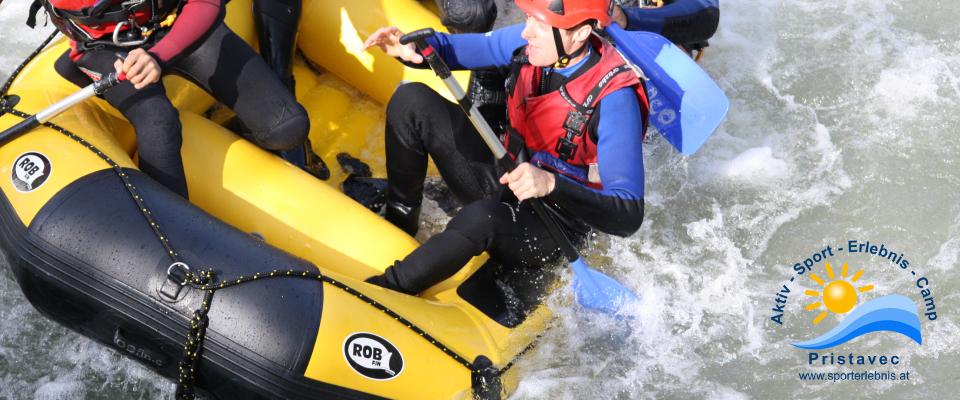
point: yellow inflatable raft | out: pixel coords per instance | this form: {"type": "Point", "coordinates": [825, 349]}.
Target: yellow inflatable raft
{"type": "Point", "coordinates": [94, 243]}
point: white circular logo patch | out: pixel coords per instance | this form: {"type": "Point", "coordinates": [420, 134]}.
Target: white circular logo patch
{"type": "Point", "coordinates": [30, 171]}
{"type": "Point", "coordinates": [372, 356]}
{"type": "Point", "coordinates": [666, 116]}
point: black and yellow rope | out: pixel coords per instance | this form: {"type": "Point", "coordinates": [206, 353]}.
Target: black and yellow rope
{"type": "Point", "coordinates": [203, 280]}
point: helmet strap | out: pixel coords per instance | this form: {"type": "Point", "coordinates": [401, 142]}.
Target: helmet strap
{"type": "Point", "coordinates": [564, 58]}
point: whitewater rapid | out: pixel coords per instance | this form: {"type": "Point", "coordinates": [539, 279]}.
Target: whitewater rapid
{"type": "Point", "coordinates": [843, 125]}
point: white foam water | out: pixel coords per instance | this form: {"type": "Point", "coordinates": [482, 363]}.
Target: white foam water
{"type": "Point", "coordinates": [842, 125]}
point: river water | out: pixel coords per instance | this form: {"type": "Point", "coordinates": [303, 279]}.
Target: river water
{"type": "Point", "coordinates": [842, 127]}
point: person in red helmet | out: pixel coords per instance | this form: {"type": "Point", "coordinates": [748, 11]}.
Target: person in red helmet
{"type": "Point", "coordinates": [187, 37]}
{"type": "Point", "coordinates": [574, 107]}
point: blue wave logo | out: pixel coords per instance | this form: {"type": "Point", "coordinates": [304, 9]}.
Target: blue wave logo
{"type": "Point", "coordinates": [893, 313]}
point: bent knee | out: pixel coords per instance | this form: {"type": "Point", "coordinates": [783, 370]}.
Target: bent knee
{"type": "Point", "coordinates": [289, 132]}
{"type": "Point", "coordinates": [410, 98]}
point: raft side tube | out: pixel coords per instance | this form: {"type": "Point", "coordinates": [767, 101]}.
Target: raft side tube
{"type": "Point", "coordinates": [90, 262]}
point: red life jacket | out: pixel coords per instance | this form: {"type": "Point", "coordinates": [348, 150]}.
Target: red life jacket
{"type": "Point", "coordinates": [557, 122]}
{"type": "Point", "coordinates": [120, 22]}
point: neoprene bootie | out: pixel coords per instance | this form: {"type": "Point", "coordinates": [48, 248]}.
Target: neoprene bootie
{"type": "Point", "coordinates": [405, 217]}
{"type": "Point", "coordinates": [304, 158]}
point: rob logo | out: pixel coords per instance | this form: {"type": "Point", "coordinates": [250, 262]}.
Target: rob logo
{"type": "Point", "coordinates": [30, 171]}
{"type": "Point", "coordinates": [372, 356]}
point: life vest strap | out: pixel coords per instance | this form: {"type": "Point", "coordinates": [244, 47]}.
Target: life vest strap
{"type": "Point", "coordinates": [577, 121]}
{"type": "Point", "coordinates": [128, 17]}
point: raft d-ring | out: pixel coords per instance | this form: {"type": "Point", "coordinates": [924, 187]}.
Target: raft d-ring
{"type": "Point", "coordinates": [8, 102]}
{"type": "Point", "coordinates": [131, 43]}
{"type": "Point", "coordinates": [182, 280]}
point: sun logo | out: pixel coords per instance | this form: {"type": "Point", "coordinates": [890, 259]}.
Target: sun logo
{"type": "Point", "coordinates": [839, 296]}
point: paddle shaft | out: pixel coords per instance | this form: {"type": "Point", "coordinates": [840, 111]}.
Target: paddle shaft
{"type": "Point", "coordinates": [93, 89]}
{"type": "Point", "coordinates": [442, 70]}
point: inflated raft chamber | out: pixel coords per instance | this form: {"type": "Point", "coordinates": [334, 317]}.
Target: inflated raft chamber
{"type": "Point", "coordinates": [263, 268]}
{"type": "Point", "coordinates": [254, 288]}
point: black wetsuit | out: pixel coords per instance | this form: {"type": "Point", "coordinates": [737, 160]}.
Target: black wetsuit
{"type": "Point", "coordinates": [421, 123]}
{"type": "Point", "coordinates": [277, 24]}
{"type": "Point", "coordinates": [222, 64]}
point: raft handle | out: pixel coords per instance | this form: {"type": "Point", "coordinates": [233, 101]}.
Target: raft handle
{"type": "Point", "coordinates": [176, 280]}
{"type": "Point", "coordinates": [7, 103]}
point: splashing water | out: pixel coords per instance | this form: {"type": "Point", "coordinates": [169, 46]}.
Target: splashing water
{"type": "Point", "coordinates": [841, 125]}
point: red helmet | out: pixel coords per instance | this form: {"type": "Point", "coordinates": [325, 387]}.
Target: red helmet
{"type": "Point", "coordinates": [566, 14]}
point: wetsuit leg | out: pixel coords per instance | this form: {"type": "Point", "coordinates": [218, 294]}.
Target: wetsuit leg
{"type": "Point", "coordinates": [277, 22]}
{"type": "Point", "coordinates": [515, 237]}
{"type": "Point", "coordinates": [421, 123]}
{"type": "Point", "coordinates": [407, 152]}
{"type": "Point", "coordinates": [69, 70]}
{"type": "Point", "coordinates": [155, 120]}
{"type": "Point", "coordinates": [234, 74]}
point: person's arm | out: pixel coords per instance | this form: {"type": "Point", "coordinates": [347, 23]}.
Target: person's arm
{"type": "Point", "coordinates": [642, 19]}
{"type": "Point", "coordinates": [479, 50]}
{"type": "Point", "coordinates": [196, 18]}
{"type": "Point", "coordinates": [618, 208]}
{"type": "Point", "coordinates": [681, 22]}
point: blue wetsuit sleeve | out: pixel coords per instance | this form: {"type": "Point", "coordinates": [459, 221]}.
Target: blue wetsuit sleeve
{"type": "Point", "coordinates": [620, 147]}
{"type": "Point", "coordinates": [618, 208]}
{"type": "Point", "coordinates": [479, 50]}
{"type": "Point", "coordinates": [688, 21]}
{"type": "Point", "coordinates": [640, 19]}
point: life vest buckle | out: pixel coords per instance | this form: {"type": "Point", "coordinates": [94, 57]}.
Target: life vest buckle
{"type": "Point", "coordinates": [575, 122]}
{"type": "Point", "coordinates": [566, 148]}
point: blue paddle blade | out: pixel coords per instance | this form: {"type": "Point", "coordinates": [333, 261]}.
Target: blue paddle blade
{"type": "Point", "coordinates": [686, 105]}
{"type": "Point", "coordinates": [596, 291]}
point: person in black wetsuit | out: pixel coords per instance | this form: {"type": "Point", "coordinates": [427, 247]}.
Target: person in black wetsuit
{"type": "Point", "coordinates": [688, 23]}
{"type": "Point", "coordinates": [590, 178]}
{"type": "Point", "coordinates": [485, 90]}
{"type": "Point", "coordinates": [198, 46]}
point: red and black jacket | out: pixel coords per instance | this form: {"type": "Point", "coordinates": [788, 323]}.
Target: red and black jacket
{"type": "Point", "coordinates": [131, 24]}
{"type": "Point", "coordinates": [558, 121]}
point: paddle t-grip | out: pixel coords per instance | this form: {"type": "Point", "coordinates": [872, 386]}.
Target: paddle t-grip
{"type": "Point", "coordinates": [419, 38]}
{"type": "Point", "coordinates": [417, 35]}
